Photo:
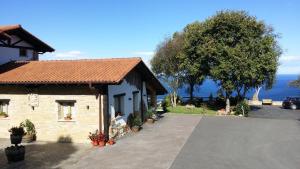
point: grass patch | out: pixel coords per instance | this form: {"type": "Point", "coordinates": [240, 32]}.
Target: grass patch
{"type": "Point", "coordinates": [196, 110]}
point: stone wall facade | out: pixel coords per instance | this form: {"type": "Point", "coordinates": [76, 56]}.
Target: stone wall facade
{"type": "Point", "coordinates": [45, 115]}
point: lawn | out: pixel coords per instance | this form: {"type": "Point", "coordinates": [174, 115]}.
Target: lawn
{"type": "Point", "coordinates": [195, 110]}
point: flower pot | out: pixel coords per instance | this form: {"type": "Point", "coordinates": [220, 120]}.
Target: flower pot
{"type": "Point", "coordinates": [101, 143]}
{"type": "Point", "coordinates": [111, 142]}
{"type": "Point", "coordinates": [150, 121]}
{"type": "Point", "coordinates": [135, 128]}
{"type": "Point", "coordinates": [95, 143]}
{"type": "Point", "coordinates": [15, 139]}
{"type": "Point", "coordinates": [15, 153]}
{"type": "Point", "coordinates": [27, 138]}
{"type": "Point", "coordinates": [3, 116]}
{"type": "Point", "coordinates": [68, 118]}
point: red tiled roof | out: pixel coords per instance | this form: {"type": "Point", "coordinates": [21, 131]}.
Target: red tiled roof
{"type": "Point", "coordinates": [102, 71]}
{"type": "Point", "coordinates": [25, 35]}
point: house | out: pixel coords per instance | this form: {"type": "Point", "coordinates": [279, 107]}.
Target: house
{"type": "Point", "coordinates": [91, 92]}
{"type": "Point", "coordinates": [18, 44]}
{"type": "Point", "coordinates": [68, 98]}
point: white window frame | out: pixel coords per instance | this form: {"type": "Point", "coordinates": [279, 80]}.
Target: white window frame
{"type": "Point", "coordinates": [6, 103]}
{"type": "Point", "coordinates": [72, 104]}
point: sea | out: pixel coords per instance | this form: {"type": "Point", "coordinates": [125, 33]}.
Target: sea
{"type": "Point", "coordinates": [279, 91]}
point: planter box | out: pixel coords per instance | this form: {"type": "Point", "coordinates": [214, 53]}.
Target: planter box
{"type": "Point", "coordinates": [15, 153]}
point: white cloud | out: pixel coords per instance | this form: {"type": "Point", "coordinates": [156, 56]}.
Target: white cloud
{"type": "Point", "coordinates": [289, 64]}
{"type": "Point", "coordinates": [61, 55]}
{"type": "Point", "coordinates": [289, 58]}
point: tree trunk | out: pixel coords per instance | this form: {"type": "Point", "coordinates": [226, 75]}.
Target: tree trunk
{"type": "Point", "coordinates": [227, 109]}
{"type": "Point", "coordinates": [191, 92]}
{"type": "Point", "coordinates": [174, 99]}
{"type": "Point", "coordinates": [255, 96]}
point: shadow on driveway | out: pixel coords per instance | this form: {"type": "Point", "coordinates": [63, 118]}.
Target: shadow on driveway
{"type": "Point", "coordinates": [41, 155]}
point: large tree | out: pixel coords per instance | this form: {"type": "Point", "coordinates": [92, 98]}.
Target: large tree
{"type": "Point", "coordinates": [243, 52]}
{"type": "Point", "coordinates": [193, 62]}
{"type": "Point", "coordinates": [166, 66]}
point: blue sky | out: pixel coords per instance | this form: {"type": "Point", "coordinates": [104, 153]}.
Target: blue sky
{"type": "Point", "coordinates": [126, 28]}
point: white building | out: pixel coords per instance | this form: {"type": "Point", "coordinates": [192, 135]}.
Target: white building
{"type": "Point", "coordinates": [17, 44]}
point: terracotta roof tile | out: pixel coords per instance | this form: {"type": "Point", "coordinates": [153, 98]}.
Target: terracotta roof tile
{"type": "Point", "coordinates": [104, 71]}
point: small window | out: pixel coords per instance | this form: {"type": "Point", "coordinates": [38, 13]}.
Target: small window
{"type": "Point", "coordinates": [119, 104]}
{"type": "Point", "coordinates": [66, 110]}
{"type": "Point", "coordinates": [35, 55]}
{"type": "Point", "coordinates": [4, 108]}
{"type": "Point", "coordinates": [23, 52]}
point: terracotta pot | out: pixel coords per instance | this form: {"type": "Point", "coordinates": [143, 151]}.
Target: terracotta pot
{"type": "Point", "coordinates": [135, 128]}
{"type": "Point", "coordinates": [150, 121]}
{"type": "Point", "coordinates": [101, 143]}
{"type": "Point", "coordinates": [111, 142]}
{"type": "Point", "coordinates": [68, 118]}
{"type": "Point", "coordinates": [27, 138]}
{"type": "Point", "coordinates": [95, 143]}
{"type": "Point", "coordinates": [3, 116]}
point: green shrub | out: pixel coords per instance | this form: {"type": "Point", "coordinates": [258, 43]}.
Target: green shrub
{"type": "Point", "coordinates": [149, 113]}
{"type": "Point", "coordinates": [29, 127]}
{"type": "Point", "coordinates": [137, 121]}
{"type": "Point", "coordinates": [242, 107]}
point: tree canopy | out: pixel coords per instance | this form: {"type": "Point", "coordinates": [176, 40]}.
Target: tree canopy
{"type": "Point", "coordinates": [233, 48]}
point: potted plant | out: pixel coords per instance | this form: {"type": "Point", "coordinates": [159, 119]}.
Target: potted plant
{"type": "Point", "coordinates": [94, 138]}
{"type": "Point", "coordinates": [101, 139]}
{"type": "Point", "coordinates": [136, 124]}
{"type": "Point", "coordinates": [15, 153]}
{"type": "Point", "coordinates": [30, 132]}
{"type": "Point", "coordinates": [3, 115]}
{"type": "Point", "coordinates": [149, 115]}
{"type": "Point", "coordinates": [68, 117]}
{"type": "Point", "coordinates": [111, 141]}
{"type": "Point", "coordinates": [16, 135]}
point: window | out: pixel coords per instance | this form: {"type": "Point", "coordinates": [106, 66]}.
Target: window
{"type": "Point", "coordinates": [66, 110]}
{"type": "Point", "coordinates": [4, 108]}
{"type": "Point", "coordinates": [23, 52]}
{"type": "Point", "coordinates": [35, 55]}
{"type": "Point", "coordinates": [119, 104]}
{"type": "Point", "coordinates": [135, 99]}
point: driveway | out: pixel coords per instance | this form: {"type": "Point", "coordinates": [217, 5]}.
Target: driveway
{"type": "Point", "coordinates": [155, 147]}
{"type": "Point", "coordinates": [268, 139]}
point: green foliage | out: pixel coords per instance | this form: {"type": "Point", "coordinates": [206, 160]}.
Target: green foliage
{"type": "Point", "coordinates": [295, 83]}
{"type": "Point", "coordinates": [150, 113]}
{"type": "Point", "coordinates": [29, 127]}
{"type": "Point", "coordinates": [203, 110]}
{"type": "Point", "coordinates": [17, 131]}
{"type": "Point", "coordinates": [137, 121]}
{"type": "Point", "coordinates": [242, 107]}
{"type": "Point", "coordinates": [243, 51]}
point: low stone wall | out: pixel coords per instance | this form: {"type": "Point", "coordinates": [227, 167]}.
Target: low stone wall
{"type": "Point", "coordinates": [260, 103]}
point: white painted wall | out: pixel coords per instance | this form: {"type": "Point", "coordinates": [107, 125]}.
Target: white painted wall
{"type": "Point", "coordinates": [126, 88]}
{"type": "Point", "coordinates": [12, 54]}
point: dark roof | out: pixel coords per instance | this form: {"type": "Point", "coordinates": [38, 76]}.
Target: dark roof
{"type": "Point", "coordinates": [92, 71]}
{"type": "Point", "coordinates": [40, 46]}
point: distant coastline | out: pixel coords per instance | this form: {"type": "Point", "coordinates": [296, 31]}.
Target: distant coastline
{"type": "Point", "coordinates": [280, 90]}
